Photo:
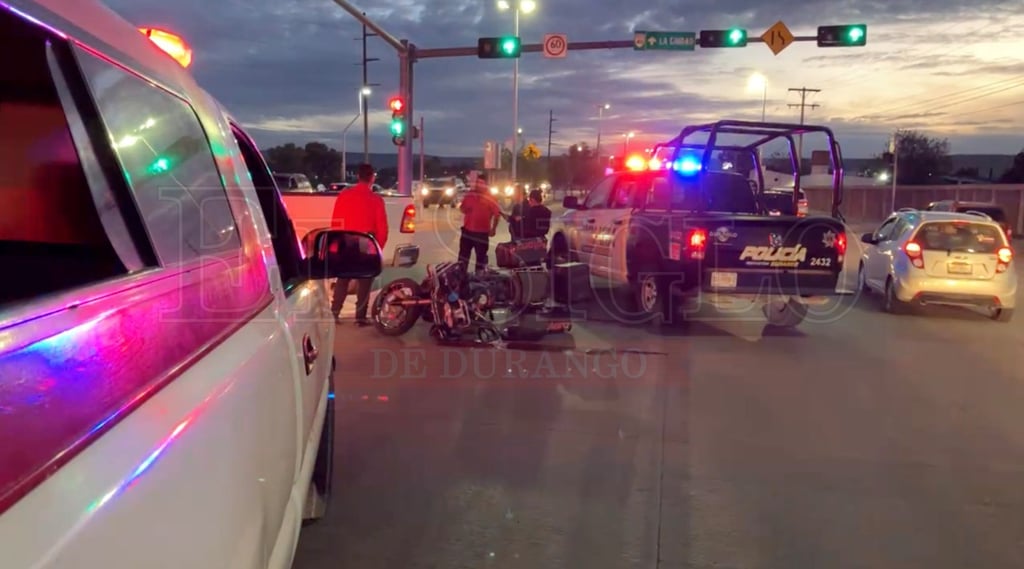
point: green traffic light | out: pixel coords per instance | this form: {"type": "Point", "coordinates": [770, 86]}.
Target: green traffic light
{"type": "Point", "coordinates": [159, 166]}
{"type": "Point", "coordinates": [736, 36]}
{"type": "Point", "coordinates": [397, 128]}
{"type": "Point", "coordinates": [508, 46]}
{"type": "Point", "coordinates": [855, 34]}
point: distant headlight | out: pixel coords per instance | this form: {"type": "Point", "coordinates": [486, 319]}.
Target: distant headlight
{"type": "Point", "coordinates": [449, 191]}
{"type": "Point", "coordinates": [494, 190]}
{"type": "Point", "coordinates": [509, 190]}
{"type": "Point", "coordinates": [425, 191]}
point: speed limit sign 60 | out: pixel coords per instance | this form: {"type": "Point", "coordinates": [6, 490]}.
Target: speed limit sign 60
{"type": "Point", "coordinates": [555, 45]}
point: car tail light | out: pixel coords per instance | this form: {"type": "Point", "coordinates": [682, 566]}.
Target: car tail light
{"type": "Point", "coordinates": [801, 208]}
{"type": "Point", "coordinates": [1005, 255]}
{"type": "Point", "coordinates": [841, 245]}
{"type": "Point", "coordinates": [913, 250]}
{"type": "Point", "coordinates": [696, 242]}
{"type": "Point", "coordinates": [409, 219]}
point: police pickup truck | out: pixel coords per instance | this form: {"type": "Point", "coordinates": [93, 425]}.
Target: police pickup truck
{"type": "Point", "coordinates": [684, 222]}
{"type": "Point", "coordinates": [166, 349]}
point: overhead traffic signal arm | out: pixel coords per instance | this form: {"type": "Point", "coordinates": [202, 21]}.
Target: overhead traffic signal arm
{"type": "Point", "coordinates": [849, 35]}
{"type": "Point", "coordinates": [733, 37]}
{"type": "Point", "coordinates": [503, 47]}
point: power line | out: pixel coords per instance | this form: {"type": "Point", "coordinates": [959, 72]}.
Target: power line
{"type": "Point", "coordinates": [943, 97]}
{"type": "Point", "coordinates": [1017, 85]}
{"type": "Point", "coordinates": [803, 106]}
{"type": "Point", "coordinates": [995, 108]}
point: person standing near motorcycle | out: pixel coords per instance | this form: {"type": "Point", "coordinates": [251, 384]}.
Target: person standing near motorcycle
{"type": "Point", "coordinates": [357, 208]}
{"type": "Point", "coordinates": [516, 216]}
{"type": "Point", "coordinates": [536, 217]}
{"type": "Point", "coordinates": [480, 223]}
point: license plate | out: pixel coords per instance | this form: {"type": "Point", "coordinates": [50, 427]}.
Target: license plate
{"type": "Point", "coordinates": [723, 280]}
{"type": "Point", "coordinates": [960, 268]}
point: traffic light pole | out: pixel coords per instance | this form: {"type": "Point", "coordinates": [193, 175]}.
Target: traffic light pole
{"type": "Point", "coordinates": [405, 63]}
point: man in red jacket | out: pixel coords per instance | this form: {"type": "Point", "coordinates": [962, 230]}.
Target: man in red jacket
{"type": "Point", "coordinates": [359, 209]}
{"type": "Point", "coordinates": [480, 223]}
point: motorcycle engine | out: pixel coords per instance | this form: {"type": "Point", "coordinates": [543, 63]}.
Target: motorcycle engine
{"type": "Point", "coordinates": [450, 294]}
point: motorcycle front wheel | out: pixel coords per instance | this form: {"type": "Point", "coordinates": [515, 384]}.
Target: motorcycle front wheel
{"type": "Point", "coordinates": [391, 318]}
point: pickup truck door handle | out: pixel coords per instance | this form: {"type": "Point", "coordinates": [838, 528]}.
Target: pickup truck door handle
{"type": "Point", "coordinates": [309, 353]}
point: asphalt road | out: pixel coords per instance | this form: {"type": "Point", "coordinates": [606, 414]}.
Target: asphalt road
{"type": "Point", "coordinates": [859, 440]}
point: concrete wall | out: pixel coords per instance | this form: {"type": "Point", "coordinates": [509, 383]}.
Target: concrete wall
{"type": "Point", "coordinates": [868, 204]}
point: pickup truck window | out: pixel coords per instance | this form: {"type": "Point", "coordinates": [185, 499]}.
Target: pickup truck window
{"type": "Point", "coordinates": [600, 195]}
{"type": "Point", "coordinates": [52, 238]}
{"type": "Point", "coordinates": [167, 161]}
{"type": "Point", "coordinates": [282, 232]}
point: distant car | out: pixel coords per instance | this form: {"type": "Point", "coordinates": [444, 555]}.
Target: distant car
{"type": "Point", "coordinates": [930, 257]}
{"type": "Point", "coordinates": [995, 211]}
{"type": "Point", "coordinates": [439, 191]}
{"type": "Point", "coordinates": [293, 183]}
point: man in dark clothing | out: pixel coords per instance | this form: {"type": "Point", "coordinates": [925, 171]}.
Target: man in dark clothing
{"type": "Point", "coordinates": [536, 217]}
{"type": "Point", "coordinates": [358, 208]}
{"type": "Point", "coordinates": [480, 223]}
{"type": "Point", "coordinates": [517, 214]}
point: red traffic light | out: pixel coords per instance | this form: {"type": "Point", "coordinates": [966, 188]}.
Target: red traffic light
{"type": "Point", "coordinates": [396, 104]}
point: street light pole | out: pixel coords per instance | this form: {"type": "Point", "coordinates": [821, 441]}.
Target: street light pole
{"type": "Point", "coordinates": [600, 116]}
{"type": "Point", "coordinates": [515, 100]}
{"type": "Point", "coordinates": [363, 93]}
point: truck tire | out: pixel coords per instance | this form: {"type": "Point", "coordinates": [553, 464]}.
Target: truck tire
{"type": "Point", "coordinates": [318, 496]}
{"type": "Point", "coordinates": [651, 292]}
{"type": "Point", "coordinates": [789, 314]}
{"type": "Point", "coordinates": [408, 318]}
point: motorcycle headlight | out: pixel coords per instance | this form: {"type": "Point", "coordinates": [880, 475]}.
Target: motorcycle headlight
{"type": "Point", "coordinates": [425, 191]}
{"type": "Point", "coordinates": [449, 191]}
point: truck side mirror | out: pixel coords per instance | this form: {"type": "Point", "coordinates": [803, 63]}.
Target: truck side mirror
{"type": "Point", "coordinates": [570, 202]}
{"type": "Point", "coordinates": [340, 254]}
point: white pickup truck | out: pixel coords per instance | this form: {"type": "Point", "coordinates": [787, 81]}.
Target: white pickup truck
{"type": "Point", "coordinates": [313, 211]}
{"type": "Point", "coordinates": [167, 353]}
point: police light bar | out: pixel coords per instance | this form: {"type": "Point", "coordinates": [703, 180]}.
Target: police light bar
{"type": "Point", "coordinates": [170, 44]}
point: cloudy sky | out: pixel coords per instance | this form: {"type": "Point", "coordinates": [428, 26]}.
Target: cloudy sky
{"type": "Point", "coordinates": [289, 69]}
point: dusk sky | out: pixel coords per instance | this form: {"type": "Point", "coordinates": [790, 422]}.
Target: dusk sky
{"type": "Point", "coordinates": [288, 69]}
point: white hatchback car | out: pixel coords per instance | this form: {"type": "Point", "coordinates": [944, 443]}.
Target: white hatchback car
{"type": "Point", "coordinates": [927, 257]}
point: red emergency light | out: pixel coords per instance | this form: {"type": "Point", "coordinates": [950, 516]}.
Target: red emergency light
{"type": "Point", "coordinates": [170, 44]}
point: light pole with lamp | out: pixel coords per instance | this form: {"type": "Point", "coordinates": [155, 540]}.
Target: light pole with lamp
{"type": "Point", "coordinates": [625, 143]}
{"type": "Point", "coordinates": [756, 83]}
{"type": "Point", "coordinates": [600, 115]}
{"type": "Point", "coordinates": [525, 6]}
{"type": "Point", "coordinates": [363, 93]}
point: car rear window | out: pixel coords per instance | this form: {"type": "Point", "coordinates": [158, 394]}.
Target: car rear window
{"type": "Point", "coordinates": [996, 213]}
{"type": "Point", "coordinates": [962, 236]}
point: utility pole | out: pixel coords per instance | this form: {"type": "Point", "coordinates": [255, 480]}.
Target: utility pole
{"type": "Point", "coordinates": [422, 151]}
{"type": "Point", "coordinates": [551, 125]}
{"type": "Point", "coordinates": [364, 109]}
{"type": "Point", "coordinates": [803, 106]}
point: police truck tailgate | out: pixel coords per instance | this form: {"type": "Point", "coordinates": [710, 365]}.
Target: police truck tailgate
{"type": "Point", "coordinates": [779, 255]}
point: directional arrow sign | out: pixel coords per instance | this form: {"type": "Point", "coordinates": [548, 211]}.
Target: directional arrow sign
{"type": "Point", "coordinates": [672, 41]}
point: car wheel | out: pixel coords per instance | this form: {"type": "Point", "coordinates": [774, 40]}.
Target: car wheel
{"type": "Point", "coordinates": [862, 280]}
{"type": "Point", "coordinates": [652, 297]}
{"type": "Point", "coordinates": [890, 303]}
{"type": "Point", "coordinates": [318, 495]}
{"type": "Point", "coordinates": [1002, 314]}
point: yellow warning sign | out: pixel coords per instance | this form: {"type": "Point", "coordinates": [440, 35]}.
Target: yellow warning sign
{"type": "Point", "coordinates": [778, 37]}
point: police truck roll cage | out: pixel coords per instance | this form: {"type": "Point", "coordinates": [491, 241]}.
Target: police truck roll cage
{"type": "Point", "coordinates": [765, 133]}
